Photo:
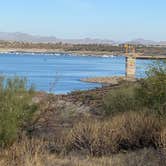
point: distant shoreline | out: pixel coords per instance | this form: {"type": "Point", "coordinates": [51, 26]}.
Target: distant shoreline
{"type": "Point", "coordinates": [58, 51]}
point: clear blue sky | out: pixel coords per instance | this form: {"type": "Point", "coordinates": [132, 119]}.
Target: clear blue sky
{"type": "Point", "coordinates": [109, 19]}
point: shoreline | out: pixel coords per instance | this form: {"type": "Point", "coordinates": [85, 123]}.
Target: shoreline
{"type": "Point", "coordinates": [109, 80]}
{"type": "Point", "coordinates": [58, 51]}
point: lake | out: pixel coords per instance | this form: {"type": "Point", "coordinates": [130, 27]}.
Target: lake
{"type": "Point", "coordinates": [61, 73]}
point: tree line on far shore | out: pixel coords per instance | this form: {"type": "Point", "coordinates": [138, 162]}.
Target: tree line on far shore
{"type": "Point", "coordinates": [117, 49]}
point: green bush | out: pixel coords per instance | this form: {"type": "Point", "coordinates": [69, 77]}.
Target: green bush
{"type": "Point", "coordinates": [16, 108]}
{"type": "Point", "coordinates": [151, 92]}
{"type": "Point", "coordinates": [120, 100]}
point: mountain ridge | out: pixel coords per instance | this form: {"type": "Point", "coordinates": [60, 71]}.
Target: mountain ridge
{"type": "Point", "coordinates": [25, 37]}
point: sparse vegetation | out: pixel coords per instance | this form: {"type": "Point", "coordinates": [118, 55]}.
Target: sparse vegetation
{"type": "Point", "coordinates": [133, 122]}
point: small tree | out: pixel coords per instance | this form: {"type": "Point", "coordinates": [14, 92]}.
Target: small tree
{"type": "Point", "coordinates": [16, 108]}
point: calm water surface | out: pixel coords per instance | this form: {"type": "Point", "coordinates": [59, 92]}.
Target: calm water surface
{"type": "Point", "coordinates": [61, 73]}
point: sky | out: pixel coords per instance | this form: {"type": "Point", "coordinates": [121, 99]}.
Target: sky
{"type": "Point", "coordinates": [71, 19]}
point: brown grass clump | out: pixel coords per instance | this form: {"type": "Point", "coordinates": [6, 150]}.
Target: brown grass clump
{"type": "Point", "coordinates": [128, 131]}
{"type": "Point", "coordinates": [136, 130]}
{"type": "Point", "coordinates": [93, 137]}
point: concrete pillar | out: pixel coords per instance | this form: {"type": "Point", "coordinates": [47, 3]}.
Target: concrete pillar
{"type": "Point", "coordinates": [130, 67]}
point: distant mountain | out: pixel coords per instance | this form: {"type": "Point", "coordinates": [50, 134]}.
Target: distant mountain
{"type": "Point", "coordinates": [142, 41]}
{"type": "Point", "coordinates": [23, 37]}
{"type": "Point", "coordinates": [146, 42]}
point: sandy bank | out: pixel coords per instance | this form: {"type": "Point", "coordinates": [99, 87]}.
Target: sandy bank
{"type": "Point", "coordinates": [115, 80]}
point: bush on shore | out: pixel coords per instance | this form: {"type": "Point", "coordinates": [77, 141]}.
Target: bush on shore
{"type": "Point", "coordinates": [148, 93]}
{"type": "Point", "coordinates": [151, 92]}
{"type": "Point", "coordinates": [120, 100]}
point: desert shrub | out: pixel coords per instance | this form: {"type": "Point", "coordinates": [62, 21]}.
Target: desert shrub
{"type": "Point", "coordinates": [137, 130]}
{"type": "Point", "coordinates": [92, 137]}
{"type": "Point", "coordinates": [120, 100]}
{"type": "Point", "coordinates": [16, 108]}
{"type": "Point", "coordinates": [128, 131]}
{"type": "Point", "coordinates": [151, 92]}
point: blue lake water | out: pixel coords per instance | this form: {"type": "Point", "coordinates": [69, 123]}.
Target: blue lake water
{"type": "Point", "coordinates": [61, 73]}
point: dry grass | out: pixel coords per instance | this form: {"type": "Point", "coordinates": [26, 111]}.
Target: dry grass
{"type": "Point", "coordinates": [128, 131]}
{"type": "Point", "coordinates": [136, 130]}
{"type": "Point", "coordinates": [92, 137]}
{"type": "Point", "coordinates": [24, 153]}
{"type": "Point", "coordinates": [34, 153]}
{"type": "Point", "coordinates": [123, 133]}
